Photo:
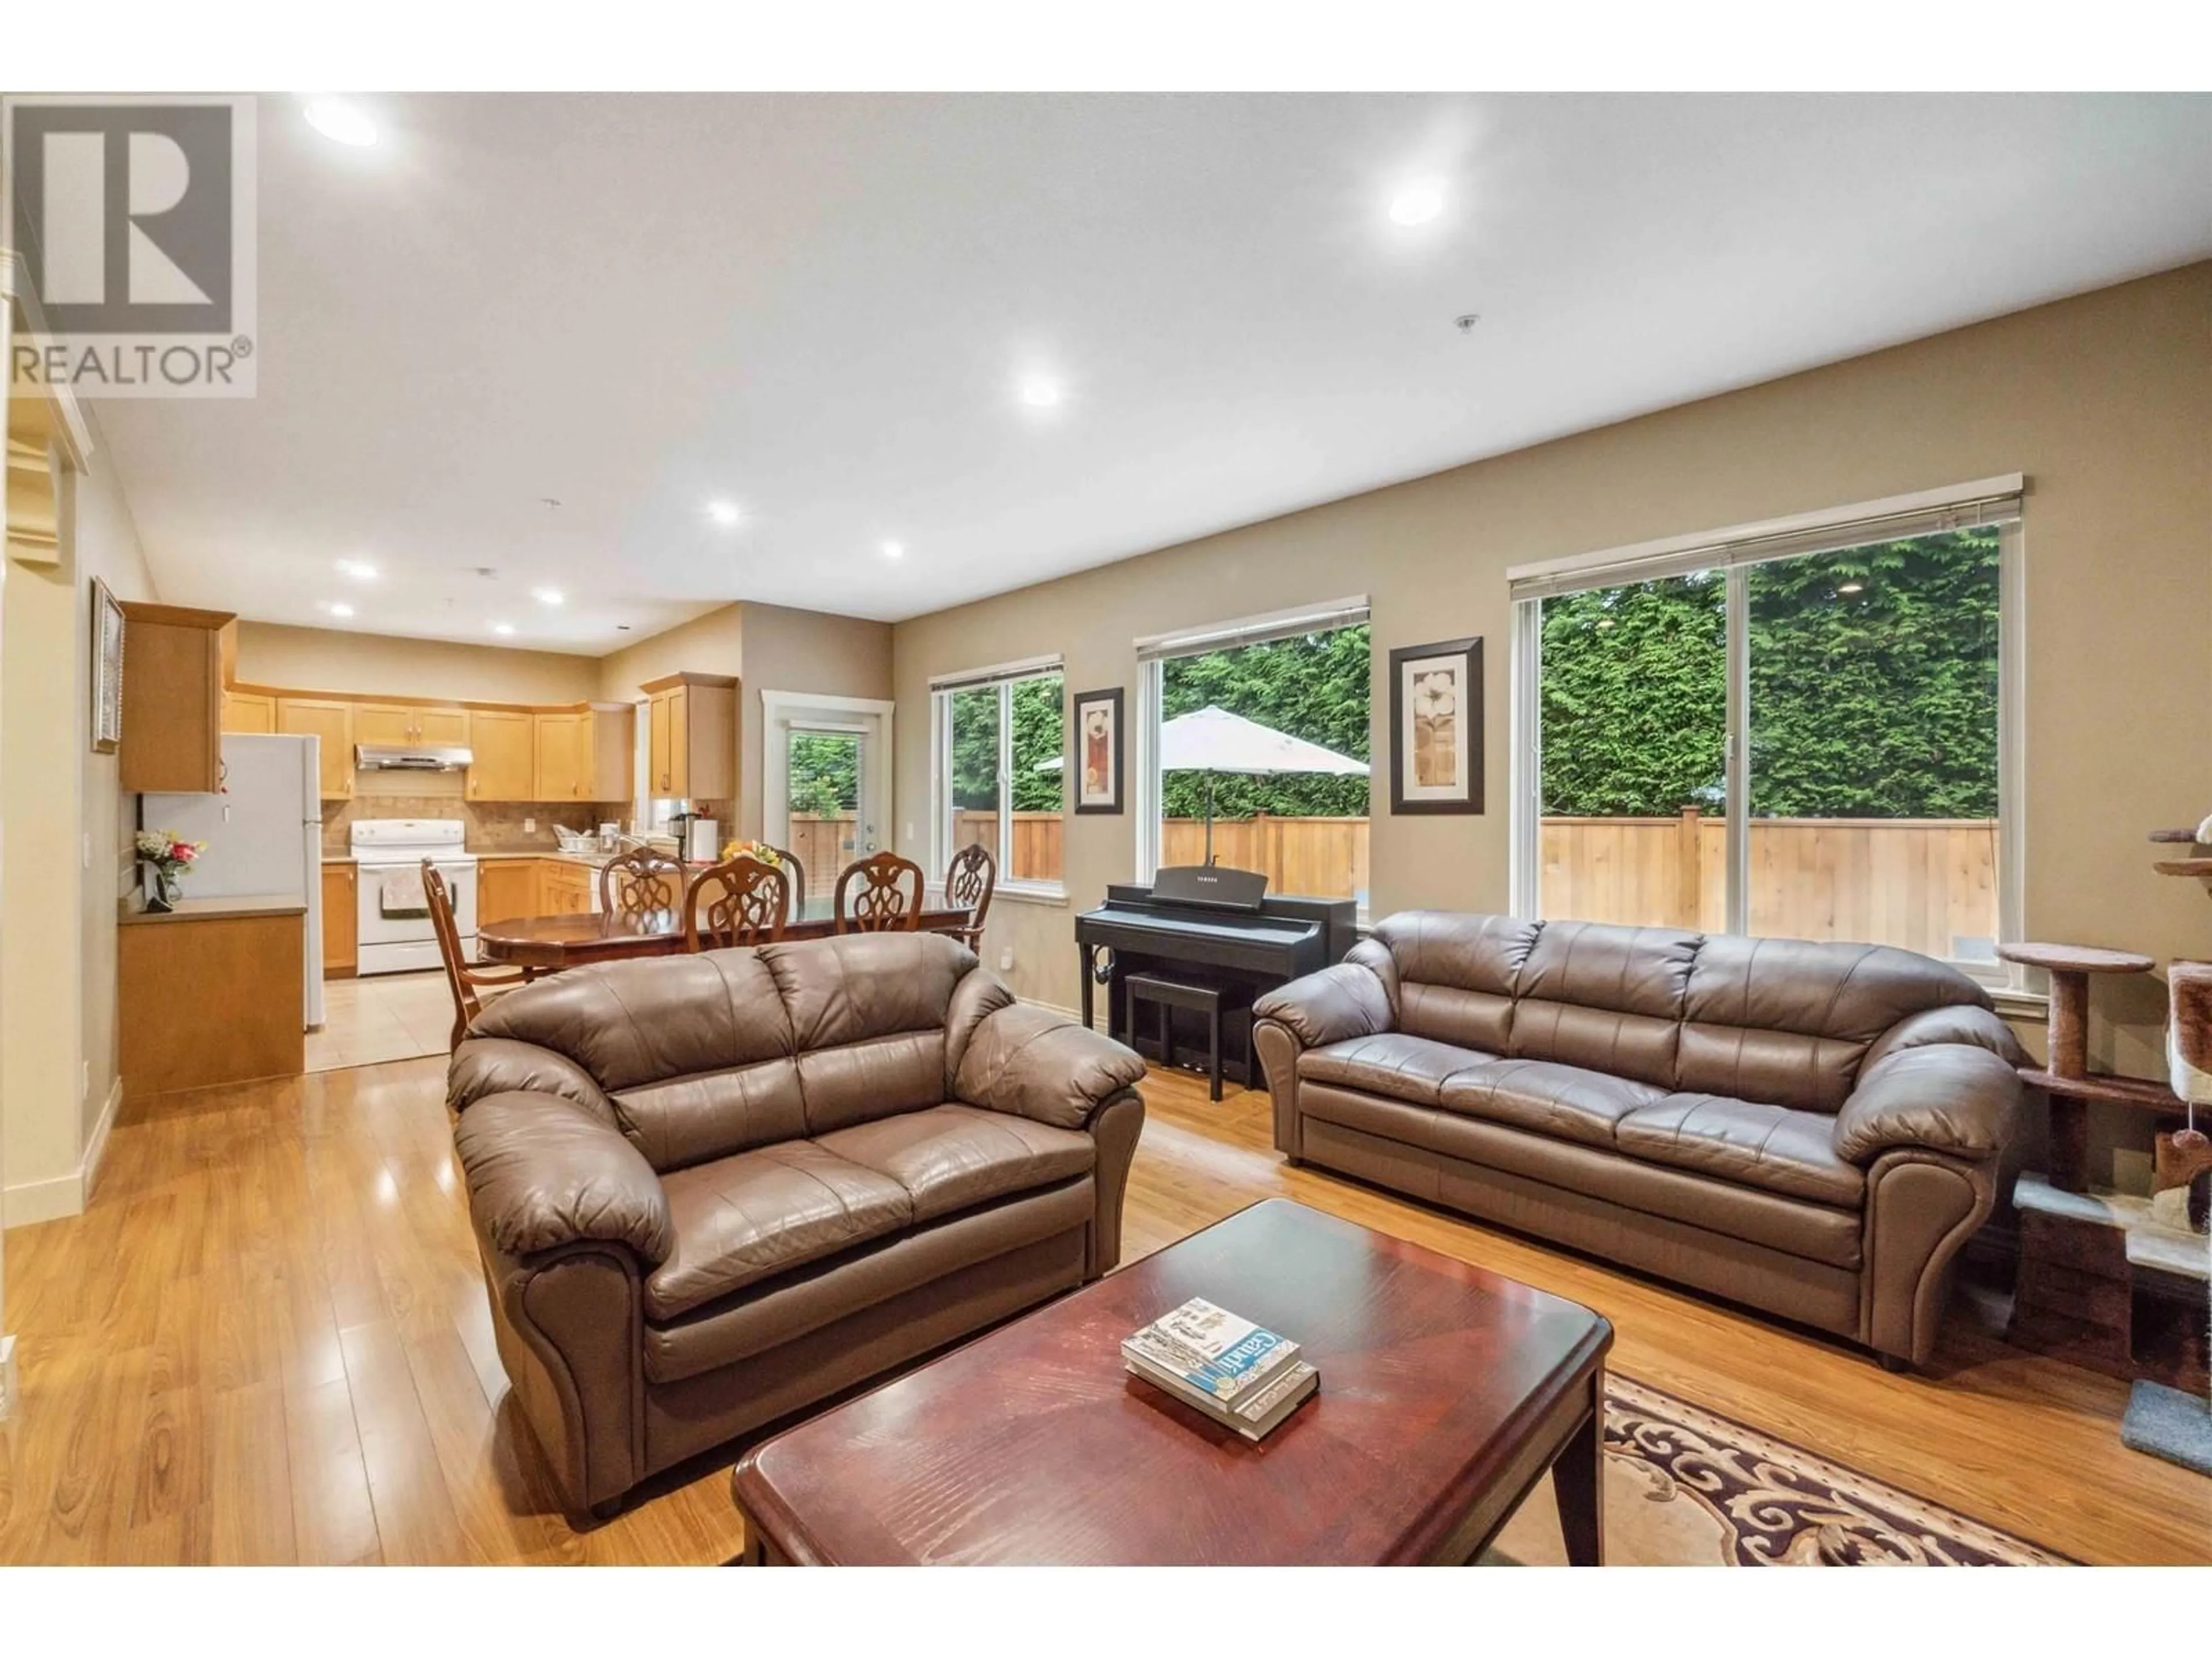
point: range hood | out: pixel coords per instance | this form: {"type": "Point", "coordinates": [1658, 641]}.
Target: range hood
{"type": "Point", "coordinates": [411, 758]}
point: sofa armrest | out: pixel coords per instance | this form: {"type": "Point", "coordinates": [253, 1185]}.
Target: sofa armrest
{"type": "Point", "coordinates": [1029, 1062]}
{"type": "Point", "coordinates": [545, 1171]}
{"type": "Point", "coordinates": [1950, 1098]}
{"type": "Point", "coordinates": [1346, 1000]}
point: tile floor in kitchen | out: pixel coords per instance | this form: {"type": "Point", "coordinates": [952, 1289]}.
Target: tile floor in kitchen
{"type": "Point", "coordinates": [386, 1016]}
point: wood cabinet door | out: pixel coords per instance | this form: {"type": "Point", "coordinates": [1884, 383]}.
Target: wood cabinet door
{"type": "Point", "coordinates": [341, 917]}
{"type": "Point", "coordinates": [446, 727]}
{"type": "Point", "coordinates": [504, 749]}
{"type": "Point", "coordinates": [507, 889]}
{"type": "Point", "coordinates": [383, 722]}
{"type": "Point", "coordinates": [679, 742]}
{"type": "Point", "coordinates": [250, 713]}
{"type": "Point", "coordinates": [564, 756]}
{"type": "Point", "coordinates": [333, 721]}
{"type": "Point", "coordinates": [657, 744]}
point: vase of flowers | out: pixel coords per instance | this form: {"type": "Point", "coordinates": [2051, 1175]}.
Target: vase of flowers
{"type": "Point", "coordinates": [168, 856]}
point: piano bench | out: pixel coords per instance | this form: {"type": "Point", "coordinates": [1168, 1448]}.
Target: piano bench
{"type": "Point", "coordinates": [1171, 995]}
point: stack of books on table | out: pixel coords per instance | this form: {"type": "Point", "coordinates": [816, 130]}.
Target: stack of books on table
{"type": "Point", "coordinates": [1242, 1377]}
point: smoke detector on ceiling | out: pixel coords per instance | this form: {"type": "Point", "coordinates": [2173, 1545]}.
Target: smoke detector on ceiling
{"type": "Point", "coordinates": [1466, 325]}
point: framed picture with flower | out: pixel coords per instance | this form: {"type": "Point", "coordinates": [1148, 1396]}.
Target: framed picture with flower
{"type": "Point", "coordinates": [1436, 728]}
{"type": "Point", "coordinates": [1098, 769]}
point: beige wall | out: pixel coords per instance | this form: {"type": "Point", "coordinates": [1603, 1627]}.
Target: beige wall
{"type": "Point", "coordinates": [790, 650]}
{"type": "Point", "coordinates": [65, 820]}
{"type": "Point", "coordinates": [2103, 401]}
{"type": "Point", "coordinates": [333, 660]}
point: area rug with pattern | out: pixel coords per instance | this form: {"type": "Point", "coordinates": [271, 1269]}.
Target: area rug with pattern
{"type": "Point", "coordinates": [1684, 1486]}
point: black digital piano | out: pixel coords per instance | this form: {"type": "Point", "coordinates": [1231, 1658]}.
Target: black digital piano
{"type": "Point", "coordinates": [1201, 924]}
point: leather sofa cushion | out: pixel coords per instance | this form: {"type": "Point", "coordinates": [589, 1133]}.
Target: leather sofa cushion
{"type": "Point", "coordinates": [872, 1078]}
{"type": "Point", "coordinates": [1389, 1063]}
{"type": "Point", "coordinates": [950, 1157]}
{"type": "Point", "coordinates": [796, 1304]}
{"type": "Point", "coordinates": [1817, 1232]}
{"type": "Point", "coordinates": [744, 1218]}
{"type": "Point", "coordinates": [1547, 1098]}
{"type": "Point", "coordinates": [681, 1120]}
{"type": "Point", "coordinates": [858, 986]}
{"type": "Point", "coordinates": [1746, 1143]}
{"type": "Point", "coordinates": [1456, 973]}
{"type": "Point", "coordinates": [1607, 999]}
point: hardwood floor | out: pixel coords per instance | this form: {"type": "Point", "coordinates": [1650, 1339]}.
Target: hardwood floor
{"type": "Point", "coordinates": [267, 1341]}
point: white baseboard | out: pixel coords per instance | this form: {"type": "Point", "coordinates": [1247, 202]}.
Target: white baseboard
{"type": "Point", "coordinates": [95, 1145]}
{"type": "Point", "coordinates": [29, 1201]}
{"type": "Point", "coordinates": [1075, 1014]}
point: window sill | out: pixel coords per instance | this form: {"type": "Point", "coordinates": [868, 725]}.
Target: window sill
{"type": "Point", "coordinates": [1032, 892]}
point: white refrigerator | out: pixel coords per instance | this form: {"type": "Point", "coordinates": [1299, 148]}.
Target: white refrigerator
{"type": "Point", "coordinates": [263, 834]}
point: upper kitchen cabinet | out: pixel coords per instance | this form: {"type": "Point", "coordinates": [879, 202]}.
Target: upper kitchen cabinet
{"type": "Point", "coordinates": [586, 754]}
{"type": "Point", "coordinates": [174, 661]}
{"type": "Point", "coordinates": [693, 736]}
{"type": "Point", "coordinates": [330, 718]}
{"type": "Point", "coordinates": [253, 713]}
{"type": "Point", "coordinates": [502, 748]}
{"type": "Point", "coordinates": [401, 724]}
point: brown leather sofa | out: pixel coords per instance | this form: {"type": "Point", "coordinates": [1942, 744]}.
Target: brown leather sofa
{"type": "Point", "coordinates": [711, 1190]}
{"type": "Point", "coordinates": [1813, 1129]}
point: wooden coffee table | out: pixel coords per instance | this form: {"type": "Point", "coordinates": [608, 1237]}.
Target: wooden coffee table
{"type": "Point", "coordinates": [1446, 1392]}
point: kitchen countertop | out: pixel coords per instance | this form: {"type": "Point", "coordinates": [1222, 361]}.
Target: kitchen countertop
{"type": "Point", "coordinates": [215, 909]}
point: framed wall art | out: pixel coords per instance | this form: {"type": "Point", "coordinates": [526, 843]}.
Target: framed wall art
{"type": "Point", "coordinates": [1099, 770]}
{"type": "Point", "coordinates": [1436, 728]}
{"type": "Point", "coordinates": [107, 670]}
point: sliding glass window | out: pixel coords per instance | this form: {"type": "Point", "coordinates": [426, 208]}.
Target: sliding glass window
{"type": "Point", "coordinates": [999, 774]}
{"type": "Point", "coordinates": [1806, 735]}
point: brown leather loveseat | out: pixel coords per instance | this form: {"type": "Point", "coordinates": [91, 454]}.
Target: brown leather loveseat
{"type": "Point", "coordinates": [1813, 1129]}
{"type": "Point", "coordinates": [711, 1190]}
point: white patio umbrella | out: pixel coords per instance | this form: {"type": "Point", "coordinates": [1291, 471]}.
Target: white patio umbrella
{"type": "Point", "coordinates": [1211, 740]}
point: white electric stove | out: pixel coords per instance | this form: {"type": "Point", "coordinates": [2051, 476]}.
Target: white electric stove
{"type": "Point", "coordinates": [394, 934]}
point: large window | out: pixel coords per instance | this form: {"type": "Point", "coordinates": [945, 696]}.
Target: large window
{"type": "Point", "coordinates": [1255, 751]}
{"type": "Point", "coordinates": [1001, 755]}
{"type": "Point", "coordinates": [1799, 735]}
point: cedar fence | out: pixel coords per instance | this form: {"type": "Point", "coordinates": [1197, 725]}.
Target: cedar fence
{"type": "Point", "coordinates": [1926, 883]}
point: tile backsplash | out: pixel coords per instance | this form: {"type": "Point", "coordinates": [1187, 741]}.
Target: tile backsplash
{"type": "Point", "coordinates": [492, 826]}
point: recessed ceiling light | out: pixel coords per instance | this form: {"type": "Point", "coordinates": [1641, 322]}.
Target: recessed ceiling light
{"type": "Point", "coordinates": [894, 550]}
{"type": "Point", "coordinates": [546, 595]}
{"type": "Point", "coordinates": [338, 120]}
{"type": "Point", "coordinates": [1850, 588]}
{"type": "Point", "coordinates": [1417, 203]}
{"type": "Point", "coordinates": [337, 607]}
{"type": "Point", "coordinates": [1038, 393]}
{"type": "Point", "coordinates": [724, 513]}
{"type": "Point", "coordinates": [502, 628]}
{"type": "Point", "coordinates": [359, 569]}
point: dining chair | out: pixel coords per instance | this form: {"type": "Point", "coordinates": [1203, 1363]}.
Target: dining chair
{"type": "Point", "coordinates": [637, 883]}
{"type": "Point", "coordinates": [884, 903]}
{"type": "Point", "coordinates": [466, 980]}
{"type": "Point", "coordinates": [971, 879]}
{"type": "Point", "coordinates": [737, 903]}
{"type": "Point", "coordinates": [789, 862]}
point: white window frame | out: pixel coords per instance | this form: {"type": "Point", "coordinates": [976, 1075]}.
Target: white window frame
{"type": "Point", "coordinates": [1004, 677]}
{"type": "Point", "coordinates": [1733, 551]}
{"type": "Point", "coordinates": [1154, 650]}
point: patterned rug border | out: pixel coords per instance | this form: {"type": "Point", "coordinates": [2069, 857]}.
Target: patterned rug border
{"type": "Point", "coordinates": [1795, 1480]}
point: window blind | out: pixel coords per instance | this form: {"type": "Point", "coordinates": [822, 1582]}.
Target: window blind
{"type": "Point", "coordinates": [1995, 501]}
{"type": "Point", "coordinates": [969, 679]}
{"type": "Point", "coordinates": [1254, 630]}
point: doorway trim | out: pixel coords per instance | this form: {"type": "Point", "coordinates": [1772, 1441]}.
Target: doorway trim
{"type": "Point", "coordinates": [778, 710]}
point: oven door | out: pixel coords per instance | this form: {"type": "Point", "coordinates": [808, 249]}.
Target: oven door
{"type": "Point", "coordinates": [391, 941]}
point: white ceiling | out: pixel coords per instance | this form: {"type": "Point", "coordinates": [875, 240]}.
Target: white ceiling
{"type": "Point", "coordinates": [820, 307]}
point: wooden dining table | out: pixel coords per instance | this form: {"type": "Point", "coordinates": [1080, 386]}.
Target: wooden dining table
{"type": "Point", "coordinates": [552, 943]}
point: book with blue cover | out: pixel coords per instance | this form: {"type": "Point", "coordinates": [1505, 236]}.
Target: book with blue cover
{"type": "Point", "coordinates": [1210, 1350]}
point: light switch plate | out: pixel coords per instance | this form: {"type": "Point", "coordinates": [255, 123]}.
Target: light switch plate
{"type": "Point", "coordinates": [7, 1377]}
{"type": "Point", "coordinates": [1007, 960]}
{"type": "Point", "coordinates": [529, 826]}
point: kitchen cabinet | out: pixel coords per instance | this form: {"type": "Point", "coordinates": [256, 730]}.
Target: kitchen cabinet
{"type": "Point", "coordinates": [249, 712]}
{"type": "Point", "coordinates": [330, 718]}
{"type": "Point", "coordinates": [585, 755]}
{"type": "Point", "coordinates": [502, 744]}
{"type": "Point", "coordinates": [564, 756]}
{"type": "Point", "coordinates": [565, 888]}
{"type": "Point", "coordinates": [175, 658]}
{"type": "Point", "coordinates": [506, 888]}
{"type": "Point", "coordinates": [209, 993]}
{"type": "Point", "coordinates": [692, 736]}
{"type": "Point", "coordinates": [341, 920]}
{"type": "Point", "coordinates": [402, 724]}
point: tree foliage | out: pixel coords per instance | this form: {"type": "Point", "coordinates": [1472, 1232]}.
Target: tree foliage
{"type": "Point", "coordinates": [1313, 686]}
{"type": "Point", "coordinates": [1039, 720]}
{"type": "Point", "coordinates": [1873, 686]}
{"type": "Point", "coordinates": [825, 774]}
